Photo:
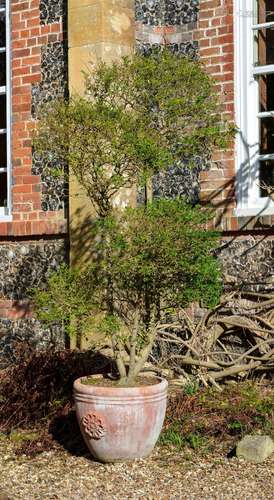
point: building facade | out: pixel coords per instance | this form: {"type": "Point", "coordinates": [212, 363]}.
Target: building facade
{"type": "Point", "coordinates": [44, 46]}
{"type": "Point", "coordinates": [33, 227]}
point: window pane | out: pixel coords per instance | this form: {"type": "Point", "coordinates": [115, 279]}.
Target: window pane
{"type": "Point", "coordinates": [264, 49]}
{"type": "Point", "coordinates": [264, 38]}
{"type": "Point", "coordinates": [267, 136]}
{"type": "Point", "coordinates": [2, 3]}
{"type": "Point", "coordinates": [2, 69]}
{"type": "Point", "coordinates": [3, 111]}
{"type": "Point", "coordinates": [266, 177]}
{"type": "Point", "coordinates": [3, 189]}
{"type": "Point", "coordinates": [2, 31]}
{"type": "Point", "coordinates": [3, 151]}
{"type": "Point", "coordinates": [266, 83]}
{"type": "Point", "coordinates": [265, 11]}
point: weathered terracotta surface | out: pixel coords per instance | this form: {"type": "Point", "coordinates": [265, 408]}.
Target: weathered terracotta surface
{"type": "Point", "coordinates": [120, 423]}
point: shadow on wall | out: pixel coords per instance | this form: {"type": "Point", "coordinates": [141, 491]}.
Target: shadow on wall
{"type": "Point", "coordinates": [81, 239]}
{"type": "Point", "coordinates": [247, 253]}
{"type": "Point", "coordinates": [248, 262]}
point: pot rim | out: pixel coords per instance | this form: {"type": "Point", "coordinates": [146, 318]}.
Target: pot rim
{"type": "Point", "coordinates": [160, 386]}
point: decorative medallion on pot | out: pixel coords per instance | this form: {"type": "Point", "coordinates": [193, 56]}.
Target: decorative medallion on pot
{"type": "Point", "coordinates": [93, 425]}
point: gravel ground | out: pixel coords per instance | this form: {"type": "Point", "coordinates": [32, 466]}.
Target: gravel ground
{"type": "Point", "coordinates": [59, 475]}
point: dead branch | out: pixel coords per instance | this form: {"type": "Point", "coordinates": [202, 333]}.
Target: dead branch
{"type": "Point", "coordinates": [233, 340]}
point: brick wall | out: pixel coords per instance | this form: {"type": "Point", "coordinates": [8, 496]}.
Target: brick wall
{"type": "Point", "coordinates": [204, 29]}
{"type": "Point", "coordinates": [247, 252]}
{"type": "Point", "coordinates": [35, 242]}
{"type": "Point", "coordinates": [214, 35]}
{"type": "Point", "coordinates": [216, 48]}
{"type": "Point", "coordinates": [30, 35]}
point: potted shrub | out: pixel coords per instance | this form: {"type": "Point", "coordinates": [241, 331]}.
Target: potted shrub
{"type": "Point", "coordinates": [137, 117]}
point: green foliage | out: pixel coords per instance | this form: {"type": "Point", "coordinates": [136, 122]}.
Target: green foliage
{"type": "Point", "coordinates": [148, 259]}
{"type": "Point", "coordinates": [191, 388]}
{"type": "Point", "coordinates": [66, 298]}
{"type": "Point", "coordinates": [167, 253]}
{"type": "Point", "coordinates": [18, 436]}
{"type": "Point", "coordinates": [168, 93]}
{"type": "Point", "coordinates": [138, 117]}
{"type": "Point", "coordinates": [209, 416]}
{"type": "Point", "coordinates": [196, 441]}
{"type": "Point", "coordinates": [235, 426]}
{"type": "Point", "coordinates": [172, 436]}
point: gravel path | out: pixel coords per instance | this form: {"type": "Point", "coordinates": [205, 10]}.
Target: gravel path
{"type": "Point", "coordinates": [58, 475]}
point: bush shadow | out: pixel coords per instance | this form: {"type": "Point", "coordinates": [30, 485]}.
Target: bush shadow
{"type": "Point", "coordinates": [65, 430]}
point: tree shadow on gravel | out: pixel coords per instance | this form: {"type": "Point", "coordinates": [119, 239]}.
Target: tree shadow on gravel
{"type": "Point", "coordinates": [64, 428]}
{"type": "Point", "coordinates": [66, 432]}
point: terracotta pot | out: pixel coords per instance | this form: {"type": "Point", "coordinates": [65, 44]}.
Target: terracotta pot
{"type": "Point", "coordinates": [118, 423]}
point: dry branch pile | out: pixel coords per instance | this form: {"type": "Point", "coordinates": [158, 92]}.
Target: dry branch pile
{"type": "Point", "coordinates": [234, 339]}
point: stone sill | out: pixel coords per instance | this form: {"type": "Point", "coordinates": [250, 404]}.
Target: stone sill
{"type": "Point", "coordinates": [254, 211]}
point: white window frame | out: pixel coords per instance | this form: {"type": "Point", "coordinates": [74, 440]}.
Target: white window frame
{"type": "Point", "coordinates": [249, 201]}
{"type": "Point", "coordinates": [5, 212]}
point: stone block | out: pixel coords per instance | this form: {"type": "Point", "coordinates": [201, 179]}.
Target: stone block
{"type": "Point", "coordinates": [97, 30]}
{"type": "Point", "coordinates": [85, 25]}
{"type": "Point", "coordinates": [100, 21]}
{"type": "Point", "coordinates": [255, 448]}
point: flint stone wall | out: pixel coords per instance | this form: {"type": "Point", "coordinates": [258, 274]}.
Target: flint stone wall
{"type": "Point", "coordinates": [26, 332]}
{"type": "Point", "coordinates": [53, 85]}
{"type": "Point", "coordinates": [25, 265]}
{"type": "Point", "coordinates": [248, 263]}
{"type": "Point", "coordinates": [166, 12]}
{"type": "Point", "coordinates": [179, 17]}
{"type": "Point", "coordinates": [52, 11]}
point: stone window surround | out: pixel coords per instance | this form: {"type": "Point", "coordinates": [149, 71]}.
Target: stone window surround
{"type": "Point", "coordinates": [5, 212]}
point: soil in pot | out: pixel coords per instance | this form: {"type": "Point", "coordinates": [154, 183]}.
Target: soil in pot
{"type": "Point", "coordinates": [107, 381]}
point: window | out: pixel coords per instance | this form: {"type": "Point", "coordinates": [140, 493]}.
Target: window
{"type": "Point", "coordinates": [5, 123]}
{"type": "Point", "coordinates": [254, 90]}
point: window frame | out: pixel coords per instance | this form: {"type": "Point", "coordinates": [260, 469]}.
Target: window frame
{"type": "Point", "coordinates": [5, 212]}
{"type": "Point", "coordinates": [249, 201]}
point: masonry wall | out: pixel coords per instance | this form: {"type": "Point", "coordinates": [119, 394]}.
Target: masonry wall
{"type": "Point", "coordinates": [161, 23]}
{"type": "Point", "coordinates": [204, 29]}
{"type": "Point", "coordinates": [98, 30]}
{"type": "Point", "coordinates": [35, 241]}
{"type": "Point", "coordinates": [247, 250]}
